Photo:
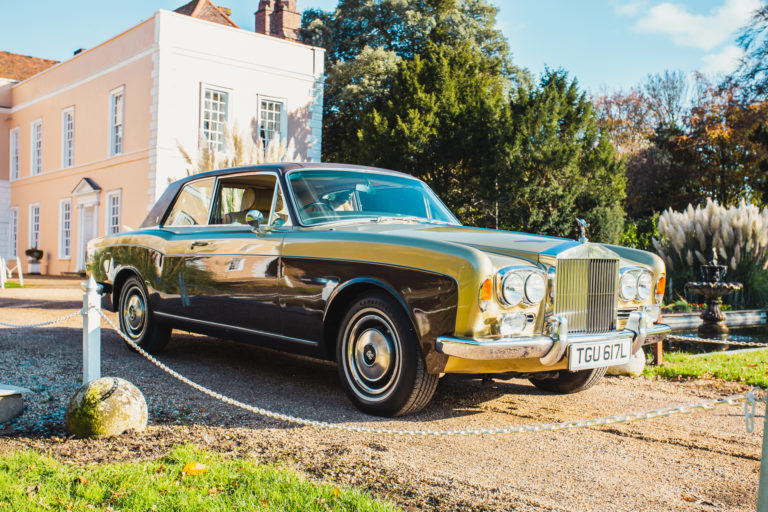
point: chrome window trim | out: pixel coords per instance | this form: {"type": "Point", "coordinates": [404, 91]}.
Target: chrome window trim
{"type": "Point", "coordinates": [216, 188]}
{"type": "Point", "coordinates": [384, 172]}
{"type": "Point", "coordinates": [178, 194]}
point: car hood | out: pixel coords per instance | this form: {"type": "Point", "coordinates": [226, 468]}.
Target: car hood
{"type": "Point", "coordinates": [506, 243]}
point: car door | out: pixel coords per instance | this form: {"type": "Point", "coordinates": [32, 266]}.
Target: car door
{"type": "Point", "coordinates": [184, 224]}
{"type": "Point", "coordinates": [231, 270]}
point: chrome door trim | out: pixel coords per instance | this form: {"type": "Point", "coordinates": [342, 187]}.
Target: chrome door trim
{"type": "Point", "coordinates": [241, 329]}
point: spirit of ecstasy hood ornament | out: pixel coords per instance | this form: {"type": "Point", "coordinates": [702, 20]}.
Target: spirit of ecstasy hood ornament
{"type": "Point", "coordinates": [583, 225]}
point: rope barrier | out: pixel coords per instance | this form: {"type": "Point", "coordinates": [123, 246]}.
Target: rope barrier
{"type": "Point", "coordinates": [694, 339]}
{"type": "Point", "coordinates": [43, 324]}
{"type": "Point", "coordinates": [749, 399]}
{"type": "Point", "coordinates": [516, 429]}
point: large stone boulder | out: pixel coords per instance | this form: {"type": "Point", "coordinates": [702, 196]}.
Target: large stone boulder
{"type": "Point", "coordinates": [106, 407]}
{"type": "Point", "coordinates": [11, 401]}
{"type": "Point", "coordinates": [633, 368]}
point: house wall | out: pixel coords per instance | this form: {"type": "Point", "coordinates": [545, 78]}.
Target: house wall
{"type": "Point", "coordinates": [161, 63]}
{"type": "Point", "coordinates": [85, 83]}
{"type": "Point", "coordinates": [193, 53]}
{"type": "Point", "coordinates": [5, 185]}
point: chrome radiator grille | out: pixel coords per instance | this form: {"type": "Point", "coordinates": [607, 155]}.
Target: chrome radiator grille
{"type": "Point", "coordinates": [586, 292]}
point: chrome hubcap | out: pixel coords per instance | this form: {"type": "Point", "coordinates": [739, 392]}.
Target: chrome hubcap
{"type": "Point", "coordinates": [372, 353]}
{"type": "Point", "coordinates": [134, 314]}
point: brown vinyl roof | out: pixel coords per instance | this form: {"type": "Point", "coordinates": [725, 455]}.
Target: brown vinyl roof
{"type": "Point", "coordinates": [20, 67]}
{"type": "Point", "coordinates": [206, 10]}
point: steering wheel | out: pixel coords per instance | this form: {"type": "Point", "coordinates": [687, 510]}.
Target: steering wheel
{"type": "Point", "coordinates": [319, 205]}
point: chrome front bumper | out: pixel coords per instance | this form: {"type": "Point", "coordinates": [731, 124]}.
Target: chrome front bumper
{"type": "Point", "coordinates": [551, 348]}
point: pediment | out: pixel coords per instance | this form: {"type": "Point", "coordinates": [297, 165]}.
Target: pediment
{"type": "Point", "coordinates": [86, 186]}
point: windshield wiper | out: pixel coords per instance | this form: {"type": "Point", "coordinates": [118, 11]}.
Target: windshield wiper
{"type": "Point", "coordinates": [407, 218]}
{"type": "Point", "coordinates": [395, 218]}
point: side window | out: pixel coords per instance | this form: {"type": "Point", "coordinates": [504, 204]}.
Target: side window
{"type": "Point", "coordinates": [240, 194]}
{"type": "Point", "coordinates": [192, 205]}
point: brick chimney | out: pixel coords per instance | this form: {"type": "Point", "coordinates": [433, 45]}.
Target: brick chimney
{"type": "Point", "coordinates": [278, 18]}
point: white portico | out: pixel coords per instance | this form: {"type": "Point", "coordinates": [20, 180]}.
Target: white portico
{"type": "Point", "coordinates": [86, 201]}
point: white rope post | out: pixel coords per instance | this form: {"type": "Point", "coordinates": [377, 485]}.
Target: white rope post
{"type": "Point", "coordinates": [18, 270]}
{"type": "Point", "coordinates": [3, 275]}
{"type": "Point", "coordinates": [762, 490]}
{"type": "Point", "coordinates": [91, 331]}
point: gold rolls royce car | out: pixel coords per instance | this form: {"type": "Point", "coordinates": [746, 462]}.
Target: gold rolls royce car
{"type": "Point", "coordinates": [367, 267]}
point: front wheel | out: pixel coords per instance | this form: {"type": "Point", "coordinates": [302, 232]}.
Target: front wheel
{"type": "Point", "coordinates": [379, 359]}
{"type": "Point", "coordinates": [570, 382]}
{"type": "Point", "coordinates": [136, 320]}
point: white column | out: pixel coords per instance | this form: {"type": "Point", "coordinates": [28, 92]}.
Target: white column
{"type": "Point", "coordinates": [20, 272]}
{"type": "Point", "coordinates": [91, 331]}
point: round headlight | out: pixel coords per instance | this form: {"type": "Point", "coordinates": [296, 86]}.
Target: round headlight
{"type": "Point", "coordinates": [512, 289]}
{"type": "Point", "coordinates": [644, 285]}
{"type": "Point", "coordinates": [535, 288]}
{"type": "Point", "coordinates": [628, 286]}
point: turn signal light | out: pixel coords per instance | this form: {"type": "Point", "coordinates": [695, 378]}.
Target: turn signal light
{"type": "Point", "coordinates": [486, 294]}
{"type": "Point", "coordinates": [660, 286]}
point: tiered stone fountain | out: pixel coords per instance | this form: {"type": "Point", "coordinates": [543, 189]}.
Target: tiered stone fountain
{"type": "Point", "coordinates": [713, 289]}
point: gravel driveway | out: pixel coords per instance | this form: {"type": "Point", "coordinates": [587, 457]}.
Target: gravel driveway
{"type": "Point", "coordinates": [704, 461]}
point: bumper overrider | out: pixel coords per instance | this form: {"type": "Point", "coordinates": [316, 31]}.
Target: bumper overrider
{"type": "Point", "coordinates": [550, 348]}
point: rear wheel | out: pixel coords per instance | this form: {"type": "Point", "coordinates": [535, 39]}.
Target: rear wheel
{"type": "Point", "coordinates": [379, 359]}
{"type": "Point", "coordinates": [136, 320]}
{"type": "Point", "coordinates": [570, 382]}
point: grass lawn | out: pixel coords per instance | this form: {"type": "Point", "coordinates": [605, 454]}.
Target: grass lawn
{"type": "Point", "coordinates": [31, 481]}
{"type": "Point", "coordinates": [747, 367]}
{"type": "Point", "coordinates": [10, 284]}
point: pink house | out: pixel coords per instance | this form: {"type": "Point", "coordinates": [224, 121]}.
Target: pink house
{"type": "Point", "coordinates": [88, 144]}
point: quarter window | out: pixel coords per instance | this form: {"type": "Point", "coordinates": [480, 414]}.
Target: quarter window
{"type": "Point", "coordinates": [37, 147]}
{"type": "Point", "coordinates": [192, 204]}
{"type": "Point", "coordinates": [34, 226]}
{"type": "Point", "coordinates": [113, 212]}
{"type": "Point", "coordinates": [65, 228]}
{"type": "Point", "coordinates": [270, 121]}
{"type": "Point", "coordinates": [14, 153]}
{"type": "Point", "coordinates": [68, 138]}
{"type": "Point", "coordinates": [116, 114]}
{"type": "Point", "coordinates": [214, 117]}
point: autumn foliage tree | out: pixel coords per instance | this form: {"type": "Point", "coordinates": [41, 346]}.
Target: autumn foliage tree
{"type": "Point", "coordinates": [624, 116]}
{"type": "Point", "coordinates": [721, 136]}
{"type": "Point", "coordinates": [683, 148]}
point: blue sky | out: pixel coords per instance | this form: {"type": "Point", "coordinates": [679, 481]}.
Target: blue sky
{"type": "Point", "coordinates": [606, 44]}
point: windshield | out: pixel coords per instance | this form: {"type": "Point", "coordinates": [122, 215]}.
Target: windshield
{"type": "Point", "coordinates": [329, 196]}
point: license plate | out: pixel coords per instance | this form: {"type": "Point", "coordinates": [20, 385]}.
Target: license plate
{"type": "Point", "coordinates": [583, 356]}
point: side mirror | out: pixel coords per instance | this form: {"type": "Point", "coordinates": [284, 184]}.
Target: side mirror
{"type": "Point", "coordinates": [254, 218]}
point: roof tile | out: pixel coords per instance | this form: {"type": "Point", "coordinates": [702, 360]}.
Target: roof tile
{"type": "Point", "coordinates": [206, 10]}
{"type": "Point", "coordinates": [19, 67]}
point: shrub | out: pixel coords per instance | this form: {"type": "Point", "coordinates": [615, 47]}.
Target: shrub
{"type": "Point", "coordinates": [638, 233]}
{"type": "Point", "coordinates": [34, 253]}
{"type": "Point", "coordinates": [739, 236]}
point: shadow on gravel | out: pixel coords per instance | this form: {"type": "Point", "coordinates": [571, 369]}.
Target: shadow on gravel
{"type": "Point", "coordinates": [284, 383]}
{"type": "Point", "coordinates": [49, 305]}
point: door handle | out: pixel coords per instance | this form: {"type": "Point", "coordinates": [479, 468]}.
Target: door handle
{"type": "Point", "coordinates": [199, 244]}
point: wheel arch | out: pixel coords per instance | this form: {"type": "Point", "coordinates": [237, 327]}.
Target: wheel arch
{"type": "Point", "coordinates": [117, 285]}
{"type": "Point", "coordinates": [340, 300]}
